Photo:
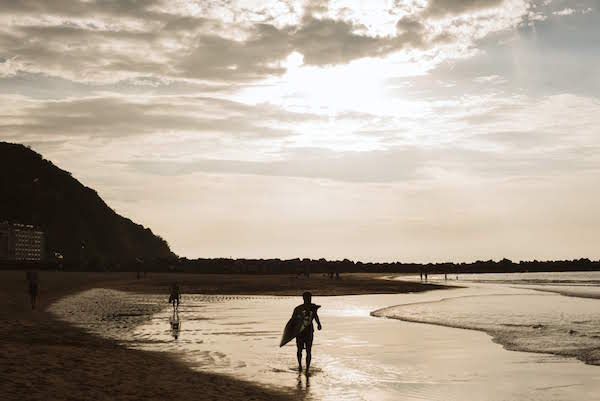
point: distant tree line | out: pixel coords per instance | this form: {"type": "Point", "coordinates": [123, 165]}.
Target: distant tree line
{"type": "Point", "coordinates": [320, 266]}
{"type": "Point", "coordinates": [310, 266]}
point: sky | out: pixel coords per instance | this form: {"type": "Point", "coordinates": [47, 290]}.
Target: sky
{"type": "Point", "coordinates": [415, 131]}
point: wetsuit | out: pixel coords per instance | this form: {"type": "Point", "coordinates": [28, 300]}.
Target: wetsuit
{"type": "Point", "coordinates": [307, 313]}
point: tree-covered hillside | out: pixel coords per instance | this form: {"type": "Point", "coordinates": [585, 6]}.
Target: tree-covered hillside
{"type": "Point", "coordinates": [77, 222]}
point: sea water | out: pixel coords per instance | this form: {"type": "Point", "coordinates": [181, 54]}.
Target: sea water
{"type": "Point", "coordinates": [521, 311]}
{"type": "Point", "coordinates": [358, 356]}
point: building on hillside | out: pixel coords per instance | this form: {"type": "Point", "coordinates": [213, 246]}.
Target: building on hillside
{"type": "Point", "coordinates": [21, 242]}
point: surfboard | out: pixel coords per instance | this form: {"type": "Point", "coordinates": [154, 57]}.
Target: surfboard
{"type": "Point", "coordinates": [294, 327]}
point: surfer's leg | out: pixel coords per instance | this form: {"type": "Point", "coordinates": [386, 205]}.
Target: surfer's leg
{"type": "Point", "coordinates": [299, 346]}
{"type": "Point", "coordinates": [308, 342]}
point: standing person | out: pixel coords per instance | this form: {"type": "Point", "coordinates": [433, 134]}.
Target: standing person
{"type": "Point", "coordinates": [307, 312]}
{"type": "Point", "coordinates": [32, 282]}
{"type": "Point", "coordinates": [175, 295]}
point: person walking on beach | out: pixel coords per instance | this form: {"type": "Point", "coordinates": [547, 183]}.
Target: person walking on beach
{"type": "Point", "coordinates": [175, 295]}
{"type": "Point", "coordinates": [32, 282]}
{"type": "Point", "coordinates": [304, 340]}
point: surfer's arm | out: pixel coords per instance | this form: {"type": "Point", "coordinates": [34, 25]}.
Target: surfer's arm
{"type": "Point", "coordinates": [318, 321]}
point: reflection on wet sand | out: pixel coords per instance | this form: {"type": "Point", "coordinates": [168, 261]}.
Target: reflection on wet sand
{"type": "Point", "coordinates": [355, 356]}
{"type": "Point", "coordinates": [175, 323]}
{"type": "Point", "coordinates": [302, 386]}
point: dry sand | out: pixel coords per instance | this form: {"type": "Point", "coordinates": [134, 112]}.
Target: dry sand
{"type": "Point", "coordinates": [42, 358]}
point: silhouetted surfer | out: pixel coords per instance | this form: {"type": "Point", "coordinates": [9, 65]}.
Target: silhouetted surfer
{"type": "Point", "coordinates": [306, 313]}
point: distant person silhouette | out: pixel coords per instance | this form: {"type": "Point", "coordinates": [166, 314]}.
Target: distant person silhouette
{"type": "Point", "coordinates": [32, 283]}
{"type": "Point", "coordinates": [308, 312]}
{"type": "Point", "coordinates": [175, 295]}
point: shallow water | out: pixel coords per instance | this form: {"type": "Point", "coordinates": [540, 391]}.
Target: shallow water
{"type": "Point", "coordinates": [357, 356]}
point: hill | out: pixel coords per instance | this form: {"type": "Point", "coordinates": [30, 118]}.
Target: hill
{"type": "Point", "coordinates": [77, 222]}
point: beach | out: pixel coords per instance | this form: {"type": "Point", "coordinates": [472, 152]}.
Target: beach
{"type": "Point", "coordinates": [359, 354]}
{"type": "Point", "coordinates": [383, 338]}
{"type": "Point", "coordinates": [43, 357]}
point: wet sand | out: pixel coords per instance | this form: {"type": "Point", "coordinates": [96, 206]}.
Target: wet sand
{"type": "Point", "coordinates": [356, 356]}
{"type": "Point", "coordinates": [349, 284]}
{"type": "Point", "coordinates": [42, 358]}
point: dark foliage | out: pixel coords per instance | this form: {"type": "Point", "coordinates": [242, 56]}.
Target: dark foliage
{"type": "Point", "coordinates": [320, 266]}
{"type": "Point", "coordinates": [77, 222]}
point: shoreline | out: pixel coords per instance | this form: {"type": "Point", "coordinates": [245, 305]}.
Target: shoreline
{"type": "Point", "coordinates": [46, 358]}
{"type": "Point", "coordinates": [282, 285]}
{"type": "Point", "coordinates": [499, 335]}
{"type": "Point", "coordinates": [232, 335]}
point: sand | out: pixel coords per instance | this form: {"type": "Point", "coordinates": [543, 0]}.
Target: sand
{"type": "Point", "coordinates": [46, 359]}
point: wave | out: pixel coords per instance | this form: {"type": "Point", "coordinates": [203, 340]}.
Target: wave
{"type": "Point", "coordinates": [592, 293]}
{"type": "Point", "coordinates": [543, 323]}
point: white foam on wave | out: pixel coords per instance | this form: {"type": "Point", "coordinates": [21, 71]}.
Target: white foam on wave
{"type": "Point", "coordinates": [529, 321]}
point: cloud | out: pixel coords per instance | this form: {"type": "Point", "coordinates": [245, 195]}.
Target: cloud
{"type": "Point", "coordinates": [444, 7]}
{"type": "Point", "coordinates": [120, 116]}
{"type": "Point", "coordinates": [555, 56]}
{"type": "Point", "coordinates": [75, 8]}
{"type": "Point", "coordinates": [383, 166]}
{"type": "Point", "coordinates": [214, 57]}
{"type": "Point", "coordinates": [565, 11]}
{"type": "Point", "coordinates": [327, 41]}
{"type": "Point", "coordinates": [107, 42]}
{"type": "Point", "coordinates": [483, 154]}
